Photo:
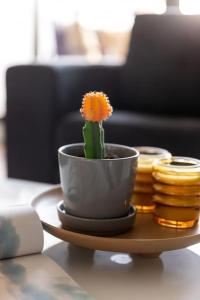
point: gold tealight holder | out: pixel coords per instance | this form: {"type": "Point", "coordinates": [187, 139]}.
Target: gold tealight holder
{"type": "Point", "coordinates": [177, 191]}
{"type": "Point", "coordinates": [143, 188]}
{"type": "Point", "coordinates": [143, 202]}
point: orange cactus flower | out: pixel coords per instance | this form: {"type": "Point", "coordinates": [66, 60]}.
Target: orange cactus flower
{"type": "Point", "coordinates": [96, 107]}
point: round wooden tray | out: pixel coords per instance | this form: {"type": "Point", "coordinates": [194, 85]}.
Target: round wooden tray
{"type": "Point", "coordinates": [146, 238]}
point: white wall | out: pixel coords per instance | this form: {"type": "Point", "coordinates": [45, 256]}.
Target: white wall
{"type": "Point", "coordinates": [16, 37]}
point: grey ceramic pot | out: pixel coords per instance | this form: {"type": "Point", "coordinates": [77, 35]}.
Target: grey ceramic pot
{"type": "Point", "coordinates": [97, 188]}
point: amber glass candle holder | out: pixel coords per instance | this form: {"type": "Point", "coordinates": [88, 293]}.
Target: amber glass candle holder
{"type": "Point", "coordinates": [148, 155]}
{"type": "Point", "coordinates": [143, 202]}
{"type": "Point", "coordinates": [143, 188]}
{"type": "Point", "coordinates": [177, 191]}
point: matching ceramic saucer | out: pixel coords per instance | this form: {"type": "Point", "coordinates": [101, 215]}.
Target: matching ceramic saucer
{"type": "Point", "coordinates": [98, 227]}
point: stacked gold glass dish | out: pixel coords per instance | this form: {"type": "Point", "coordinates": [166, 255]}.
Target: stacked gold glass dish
{"type": "Point", "coordinates": [143, 189]}
{"type": "Point", "coordinates": [177, 191]}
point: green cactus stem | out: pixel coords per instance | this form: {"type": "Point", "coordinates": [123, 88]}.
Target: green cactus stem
{"type": "Point", "coordinates": [93, 134]}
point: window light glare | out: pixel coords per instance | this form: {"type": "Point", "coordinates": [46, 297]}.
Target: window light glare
{"type": "Point", "coordinates": [190, 7]}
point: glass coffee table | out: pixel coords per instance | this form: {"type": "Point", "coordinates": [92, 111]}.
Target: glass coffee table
{"type": "Point", "coordinates": [107, 275]}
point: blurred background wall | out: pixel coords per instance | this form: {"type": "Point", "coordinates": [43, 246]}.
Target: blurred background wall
{"type": "Point", "coordinates": [46, 29]}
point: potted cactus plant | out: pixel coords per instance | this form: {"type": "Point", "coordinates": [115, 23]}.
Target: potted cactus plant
{"type": "Point", "coordinates": [96, 178]}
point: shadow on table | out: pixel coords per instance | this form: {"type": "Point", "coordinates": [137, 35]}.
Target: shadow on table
{"type": "Point", "coordinates": [104, 264]}
{"type": "Point", "coordinates": [117, 276]}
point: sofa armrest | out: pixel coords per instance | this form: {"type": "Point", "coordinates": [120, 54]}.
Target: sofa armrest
{"type": "Point", "coordinates": [37, 96]}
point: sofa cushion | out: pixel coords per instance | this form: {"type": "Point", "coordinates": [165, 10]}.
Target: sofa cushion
{"type": "Point", "coordinates": [178, 135]}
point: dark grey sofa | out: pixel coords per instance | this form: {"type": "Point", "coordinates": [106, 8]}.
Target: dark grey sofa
{"type": "Point", "coordinates": [155, 95]}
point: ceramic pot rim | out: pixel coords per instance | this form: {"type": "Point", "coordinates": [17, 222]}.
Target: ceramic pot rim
{"type": "Point", "coordinates": [134, 151]}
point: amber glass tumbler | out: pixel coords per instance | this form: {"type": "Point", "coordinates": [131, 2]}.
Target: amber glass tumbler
{"type": "Point", "coordinates": [143, 189]}
{"type": "Point", "coordinates": [177, 191]}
